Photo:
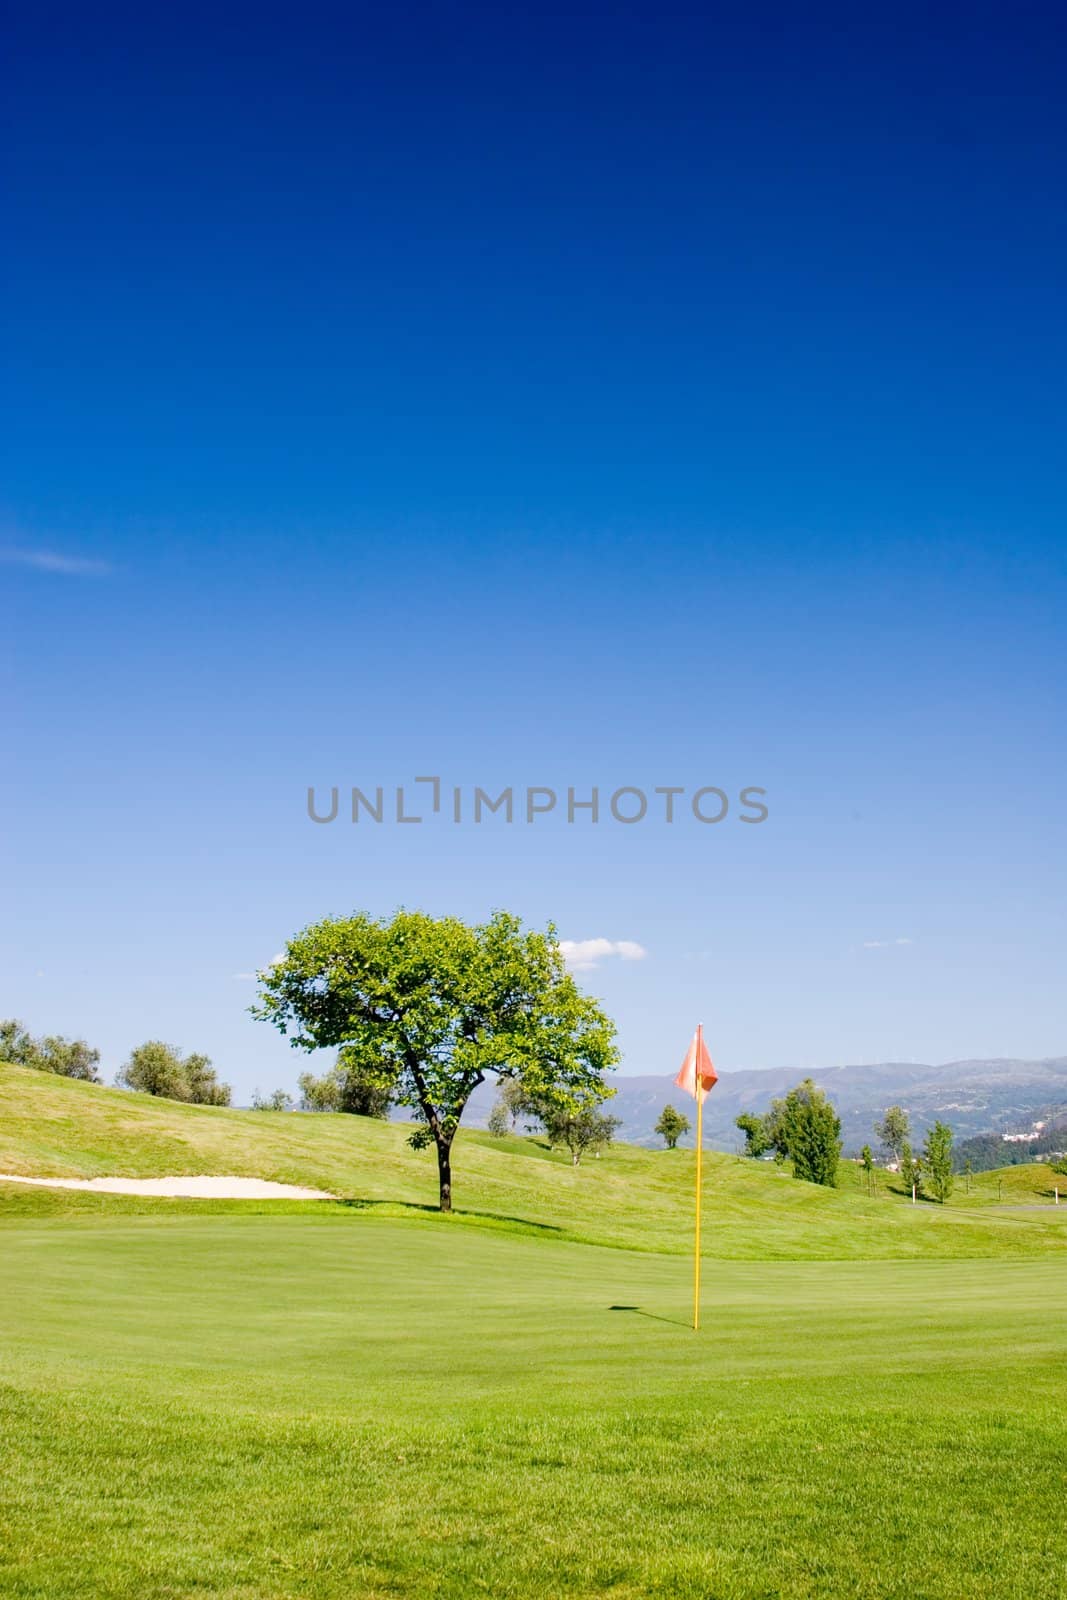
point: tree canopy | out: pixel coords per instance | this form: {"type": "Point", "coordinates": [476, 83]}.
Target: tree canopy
{"type": "Point", "coordinates": [511, 1104]}
{"type": "Point", "coordinates": [756, 1132]}
{"type": "Point", "coordinates": [161, 1069]}
{"type": "Point", "coordinates": [911, 1170]}
{"type": "Point", "coordinates": [345, 1087]}
{"type": "Point", "coordinates": [671, 1126]}
{"type": "Point", "coordinates": [69, 1058]}
{"type": "Point", "coordinates": [581, 1130]}
{"type": "Point", "coordinates": [428, 1007]}
{"type": "Point", "coordinates": [803, 1128]}
{"type": "Point", "coordinates": [893, 1131]}
{"type": "Point", "coordinates": [807, 1129]}
{"type": "Point", "coordinates": [937, 1161]}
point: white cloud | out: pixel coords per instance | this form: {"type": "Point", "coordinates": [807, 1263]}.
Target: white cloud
{"type": "Point", "coordinates": [883, 944]}
{"type": "Point", "coordinates": [251, 977]}
{"type": "Point", "coordinates": [54, 561]}
{"type": "Point", "coordinates": [583, 954]}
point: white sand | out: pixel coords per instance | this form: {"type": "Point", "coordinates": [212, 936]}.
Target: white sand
{"type": "Point", "coordinates": [189, 1188]}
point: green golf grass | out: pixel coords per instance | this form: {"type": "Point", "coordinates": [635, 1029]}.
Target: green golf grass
{"type": "Point", "coordinates": [272, 1401]}
{"type": "Point", "coordinates": [330, 1407]}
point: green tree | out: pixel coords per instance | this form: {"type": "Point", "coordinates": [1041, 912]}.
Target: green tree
{"type": "Point", "coordinates": [867, 1157]}
{"type": "Point", "coordinates": [429, 1007]}
{"type": "Point", "coordinates": [346, 1087]}
{"type": "Point", "coordinates": [806, 1128]}
{"type": "Point", "coordinates": [15, 1042]}
{"type": "Point", "coordinates": [68, 1058]}
{"type": "Point", "coordinates": [911, 1170]}
{"type": "Point", "coordinates": [320, 1094]}
{"type": "Point", "coordinates": [937, 1161]}
{"type": "Point", "coordinates": [160, 1069]}
{"type": "Point", "coordinates": [756, 1132]}
{"type": "Point", "coordinates": [499, 1123]}
{"type": "Point", "coordinates": [580, 1130]}
{"type": "Point", "coordinates": [361, 1093]}
{"type": "Point", "coordinates": [278, 1100]}
{"type": "Point", "coordinates": [671, 1126]}
{"type": "Point", "coordinates": [203, 1086]}
{"type": "Point", "coordinates": [515, 1100]}
{"type": "Point", "coordinates": [893, 1131]}
{"type": "Point", "coordinates": [512, 1103]}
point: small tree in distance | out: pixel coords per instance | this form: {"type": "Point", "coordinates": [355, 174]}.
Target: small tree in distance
{"type": "Point", "coordinates": [346, 1087]}
{"type": "Point", "coordinates": [671, 1126]}
{"type": "Point", "coordinates": [807, 1129]}
{"type": "Point", "coordinates": [278, 1100]}
{"type": "Point", "coordinates": [937, 1161]}
{"type": "Point", "coordinates": [159, 1069]}
{"type": "Point", "coordinates": [499, 1123]}
{"type": "Point", "coordinates": [802, 1128]}
{"type": "Point", "coordinates": [911, 1170]}
{"type": "Point", "coordinates": [867, 1157]}
{"type": "Point", "coordinates": [511, 1103]}
{"type": "Point", "coordinates": [580, 1131]}
{"type": "Point", "coordinates": [756, 1132]}
{"type": "Point", "coordinates": [893, 1131]}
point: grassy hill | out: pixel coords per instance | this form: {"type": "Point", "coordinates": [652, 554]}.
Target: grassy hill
{"type": "Point", "coordinates": [634, 1198]}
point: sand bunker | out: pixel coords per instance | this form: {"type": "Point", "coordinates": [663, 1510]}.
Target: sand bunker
{"type": "Point", "coordinates": [184, 1188]}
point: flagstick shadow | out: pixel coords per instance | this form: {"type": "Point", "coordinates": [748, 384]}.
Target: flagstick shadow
{"type": "Point", "coordinates": [654, 1316]}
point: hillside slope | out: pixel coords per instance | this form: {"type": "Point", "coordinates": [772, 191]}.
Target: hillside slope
{"type": "Point", "coordinates": [635, 1198]}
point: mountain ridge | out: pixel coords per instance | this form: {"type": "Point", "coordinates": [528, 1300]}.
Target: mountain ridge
{"type": "Point", "coordinates": [974, 1095]}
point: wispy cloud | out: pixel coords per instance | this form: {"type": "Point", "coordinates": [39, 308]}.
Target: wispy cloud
{"type": "Point", "coordinates": [582, 954]}
{"type": "Point", "coordinates": [884, 944]}
{"type": "Point", "coordinates": [54, 561]}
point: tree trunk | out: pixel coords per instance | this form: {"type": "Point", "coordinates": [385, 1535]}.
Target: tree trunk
{"type": "Point", "coordinates": [444, 1172]}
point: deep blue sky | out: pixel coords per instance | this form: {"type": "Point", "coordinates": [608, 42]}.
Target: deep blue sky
{"type": "Point", "coordinates": [622, 398]}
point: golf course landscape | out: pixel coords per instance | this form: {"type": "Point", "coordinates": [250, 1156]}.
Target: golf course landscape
{"type": "Point", "coordinates": [260, 1400]}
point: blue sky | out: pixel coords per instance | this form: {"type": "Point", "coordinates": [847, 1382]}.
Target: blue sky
{"type": "Point", "coordinates": [634, 398]}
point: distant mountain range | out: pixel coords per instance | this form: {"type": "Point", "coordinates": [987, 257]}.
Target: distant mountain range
{"type": "Point", "coordinates": [995, 1096]}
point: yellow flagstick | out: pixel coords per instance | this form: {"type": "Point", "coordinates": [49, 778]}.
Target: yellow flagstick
{"type": "Point", "coordinates": [700, 1152]}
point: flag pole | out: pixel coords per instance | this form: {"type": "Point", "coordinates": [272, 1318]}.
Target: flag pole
{"type": "Point", "coordinates": [700, 1152]}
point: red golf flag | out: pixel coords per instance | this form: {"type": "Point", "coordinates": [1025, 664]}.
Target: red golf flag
{"type": "Point", "coordinates": [697, 1074]}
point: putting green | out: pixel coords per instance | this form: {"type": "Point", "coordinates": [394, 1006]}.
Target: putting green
{"type": "Point", "coordinates": [346, 1406]}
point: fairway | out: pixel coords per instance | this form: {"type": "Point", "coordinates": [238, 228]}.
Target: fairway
{"type": "Point", "coordinates": [259, 1408]}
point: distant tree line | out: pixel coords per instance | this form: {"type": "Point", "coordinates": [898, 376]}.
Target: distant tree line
{"type": "Point", "coordinates": [803, 1128]}
{"type": "Point", "coordinates": [70, 1058]}
{"type": "Point", "coordinates": [985, 1151]}
{"type": "Point", "coordinates": [153, 1068]}
{"type": "Point", "coordinates": [161, 1069]}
